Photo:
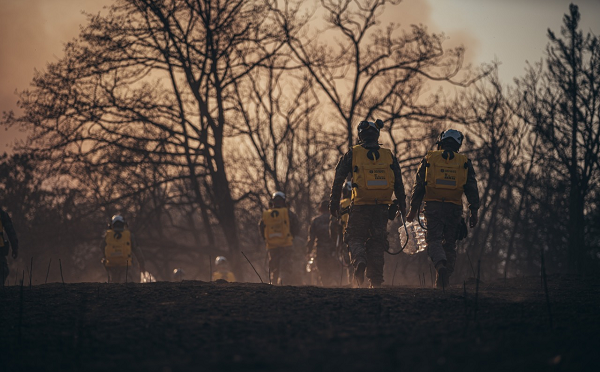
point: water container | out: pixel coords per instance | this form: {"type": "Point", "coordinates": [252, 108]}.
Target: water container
{"type": "Point", "coordinates": [146, 277]}
{"type": "Point", "coordinates": [416, 237]}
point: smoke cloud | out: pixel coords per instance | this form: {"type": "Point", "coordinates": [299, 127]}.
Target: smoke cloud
{"type": "Point", "coordinates": [33, 34]}
{"type": "Point", "coordinates": [35, 31]}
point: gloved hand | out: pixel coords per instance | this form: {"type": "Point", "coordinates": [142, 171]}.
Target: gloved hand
{"type": "Point", "coordinates": [411, 215]}
{"type": "Point", "coordinates": [393, 210]}
{"type": "Point", "coordinates": [473, 218]}
{"type": "Point", "coordinates": [334, 208]}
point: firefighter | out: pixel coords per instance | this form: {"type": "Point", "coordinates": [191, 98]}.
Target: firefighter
{"type": "Point", "coordinates": [178, 274]}
{"type": "Point", "coordinates": [222, 270]}
{"type": "Point", "coordinates": [118, 246]}
{"type": "Point", "coordinates": [442, 178]}
{"type": "Point", "coordinates": [326, 255]}
{"type": "Point", "coordinates": [376, 176]}
{"type": "Point", "coordinates": [6, 225]}
{"type": "Point", "coordinates": [278, 227]}
{"type": "Point", "coordinates": [337, 229]}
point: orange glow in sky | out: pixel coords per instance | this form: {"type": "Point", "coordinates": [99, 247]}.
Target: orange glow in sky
{"type": "Point", "coordinates": [34, 31]}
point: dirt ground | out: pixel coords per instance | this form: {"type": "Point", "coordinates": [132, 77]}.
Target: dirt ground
{"type": "Point", "coordinates": [199, 326]}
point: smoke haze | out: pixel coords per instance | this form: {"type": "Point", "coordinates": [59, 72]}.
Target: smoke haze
{"type": "Point", "coordinates": [35, 31]}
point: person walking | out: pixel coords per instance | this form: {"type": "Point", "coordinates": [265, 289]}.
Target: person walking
{"type": "Point", "coordinates": [376, 176]}
{"type": "Point", "coordinates": [278, 227]}
{"type": "Point", "coordinates": [319, 240]}
{"type": "Point", "coordinates": [118, 246]}
{"type": "Point", "coordinates": [441, 180]}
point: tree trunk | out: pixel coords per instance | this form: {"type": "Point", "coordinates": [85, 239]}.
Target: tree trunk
{"type": "Point", "coordinates": [575, 210]}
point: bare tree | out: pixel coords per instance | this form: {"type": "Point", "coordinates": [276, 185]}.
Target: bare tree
{"type": "Point", "coordinates": [154, 82]}
{"type": "Point", "coordinates": [370, 66]}
{"type": "Point", "coordinates": [566, 94]}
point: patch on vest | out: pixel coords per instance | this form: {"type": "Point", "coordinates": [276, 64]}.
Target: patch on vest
{"type": "Point", "coordinates": [449, 179]}
{"type": "Point", "coordinates": [377, 177]}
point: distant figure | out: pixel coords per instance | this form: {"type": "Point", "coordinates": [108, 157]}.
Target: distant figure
{"type": "Point", "coordinates": [222, 270]}
{"type": "Point", "coordinates": [337, 229]}
{"type": "Point", "coordinates": [328, 265]}
{"type": "Point", "coordinates": [376, 177]}
{"type": "Point", "coordinates": [118, 246]}
{"type": "Point", "coordinates": [178, 274]}
{"type": "Point", "coordinates": [442, 178]}
{"type": "Point", "coordinates": [6, 225]}
{"type": "Point", "coordinates": [278, 227]}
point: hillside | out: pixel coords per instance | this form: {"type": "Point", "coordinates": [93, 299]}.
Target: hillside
{"type": "Point", "coordinates": [194, 326]}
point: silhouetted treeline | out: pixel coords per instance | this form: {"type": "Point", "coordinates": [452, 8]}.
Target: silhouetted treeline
{"type": "Point", "coordinates": [185, 116]}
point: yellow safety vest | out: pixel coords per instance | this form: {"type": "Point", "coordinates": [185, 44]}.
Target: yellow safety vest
{"type": "Point", "coordinates": [345, 203]}
{"type": "Point", "coordinates": [227, 275]}
{"type": "Point", "coordinates": [445, 176]}
{"type": "Point", "coordinates": [372, 179]}
{"type": "Point", "coordinates": [277, 228]}
{"type": "Point", "coordinates": [117, 251]}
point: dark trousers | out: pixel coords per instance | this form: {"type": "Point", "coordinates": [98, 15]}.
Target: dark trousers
{"type": "Point", "coordinates": [280, 265]}
{"type": "Point", "coordinates": [328, 265]}
{"type": "Point", "coordinates": [443, 220]}
{"type": "Point", "coordinates": [117, 274]}
{"type": "Point", "coordinates": [367, 238]}
{"type": "Point", "coordinates": [4, 268]}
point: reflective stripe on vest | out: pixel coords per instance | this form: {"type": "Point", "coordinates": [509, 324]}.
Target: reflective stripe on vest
{"type": "Point", "coordinates": [372, 176]}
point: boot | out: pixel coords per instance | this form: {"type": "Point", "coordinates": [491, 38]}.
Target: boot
{"type": "Point", "coordinates": [442, 279]}
{"type": "Point", "coordinates": [375, 285]}
{"type": "Point", "coordinates": [359, 273]}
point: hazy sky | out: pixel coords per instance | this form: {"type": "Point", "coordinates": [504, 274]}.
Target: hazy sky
{"type": "Point", "coordinates": [34, 31]}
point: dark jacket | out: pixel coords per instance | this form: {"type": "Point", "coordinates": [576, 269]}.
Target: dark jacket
{"type": "Point", "coordinates": [318, 233]}
{"type": "Point", "coordinates": [10, 231]}
{"type": "Point", "coordinates": [344, 167]}
{"type": "Point", "coordinates": [470, 188]}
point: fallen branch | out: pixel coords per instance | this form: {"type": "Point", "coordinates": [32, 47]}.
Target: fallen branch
{"type": "Point", "coordinates": [48, 271]}
{"type": "Point", "coordinates": [61, 273]}
{"type": "Point", "coordinates": [253, 267]}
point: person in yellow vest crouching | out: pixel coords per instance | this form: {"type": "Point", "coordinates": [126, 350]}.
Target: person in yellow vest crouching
{"type": "Point", "coordinates": [119, 247]}
{"type": "Point", "coordinates": [442, 178]}
{"type": "Point", "coordinates": [222, 270]}
{"type": "Point", "coordinates": [376, 176]}
{"type": "Point", "coordinates": [278, 227]}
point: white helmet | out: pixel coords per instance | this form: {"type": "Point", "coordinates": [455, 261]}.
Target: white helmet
{"type": "Point", "coordinates": [348, 186]}
{"type": "Point", "coordinates": [454, 134]}
{"type": "Point", "coordinates": [117, 218]}
{"type": "Point", "coordinates": [220, 261]}
{"type": "Point", "coordinates": [278, 194]}
{"type": "Point", "coordinates": [178, 274]}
